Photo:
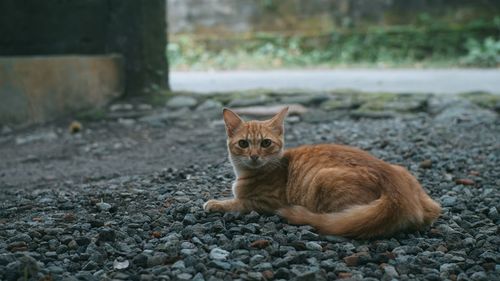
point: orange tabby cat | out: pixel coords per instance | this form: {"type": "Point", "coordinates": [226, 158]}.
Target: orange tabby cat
{"type": "Point", "coordinates": [337, 189]}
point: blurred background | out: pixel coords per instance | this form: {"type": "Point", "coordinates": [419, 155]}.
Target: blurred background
{"type": "Point", "coordinates": [270, 34]}
{"type": "Point", "coordinates": [93, 52]}
{"type": "Point", "coordinates": [111, 134]}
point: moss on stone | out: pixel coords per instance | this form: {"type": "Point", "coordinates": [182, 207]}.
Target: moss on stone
{"type": "Point", "coordinates": [483, 99]}
{"type": "Point", "coordinates": [340, 104]}
{"type": "Point", "coordinates": [94, 114]}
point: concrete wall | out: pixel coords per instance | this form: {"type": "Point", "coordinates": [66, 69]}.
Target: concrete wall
{"type": "Point", "coordinates": [35, 89]}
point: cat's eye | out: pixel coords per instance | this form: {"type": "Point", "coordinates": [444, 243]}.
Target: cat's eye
{"type": "Point", "coordinates": [266, 143]}
{"type": "Point", "coordinates": [243, 143]}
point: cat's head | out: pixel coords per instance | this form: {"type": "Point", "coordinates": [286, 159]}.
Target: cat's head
{"type": "Point", "coordinates": [255, 144]}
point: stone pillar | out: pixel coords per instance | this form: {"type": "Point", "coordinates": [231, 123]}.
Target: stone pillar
{"type": "Point", "coordinates": [137, 29]}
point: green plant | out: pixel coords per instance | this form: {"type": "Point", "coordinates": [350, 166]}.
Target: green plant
{"type": "Point", "coordinates": [486, 53]}
{"type": "Point", "coordinates": [428, 43]}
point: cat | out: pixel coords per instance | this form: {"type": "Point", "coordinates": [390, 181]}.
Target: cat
{"type": "Point", "coordinates": [337, 189]}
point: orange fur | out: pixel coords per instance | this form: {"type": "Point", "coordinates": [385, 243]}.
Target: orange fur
{"type": "Point", "coordinates": [337, 189]}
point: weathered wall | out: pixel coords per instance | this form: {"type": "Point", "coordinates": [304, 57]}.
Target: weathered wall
{"type": "Point", "coordinates": [134, 28]}
{"type": "Point", "coordinates": [299, 16]}
{"type": "Point", "coordinates": [36, 89]}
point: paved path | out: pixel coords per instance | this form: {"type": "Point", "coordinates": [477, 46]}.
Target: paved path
{"type": "Point", "coordinates": [446, 81]}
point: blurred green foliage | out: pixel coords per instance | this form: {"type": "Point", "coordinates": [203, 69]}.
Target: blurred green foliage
{"type": "Point", "coordinates": [423, 44]}
{"type": "Point", "coordinates": [485, 53]}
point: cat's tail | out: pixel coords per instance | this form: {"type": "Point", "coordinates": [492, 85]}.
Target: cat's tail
{"type": "Point", "coordinates": [381, 217]}
{"type": "Point", "coordinates": [402, 205]}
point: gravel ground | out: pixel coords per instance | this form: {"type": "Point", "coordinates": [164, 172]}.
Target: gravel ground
{"type": "Point", "coordinates": [148, 223]}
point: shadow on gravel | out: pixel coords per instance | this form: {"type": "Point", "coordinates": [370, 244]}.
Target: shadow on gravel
{"type": "Point", "coordinates": [122, 197]}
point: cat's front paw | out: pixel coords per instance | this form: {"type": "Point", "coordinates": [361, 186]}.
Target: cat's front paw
{"type": "Point", "coordinates": [213, 206]}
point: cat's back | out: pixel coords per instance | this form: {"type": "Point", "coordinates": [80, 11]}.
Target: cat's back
{"type": "Point", "coordinates": [330, 155]}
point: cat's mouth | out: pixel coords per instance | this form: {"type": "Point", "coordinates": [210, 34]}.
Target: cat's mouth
{"type": "Point", "coordinates": [248, 163]}
{"type": "Point", "coordinates": [254, 164]}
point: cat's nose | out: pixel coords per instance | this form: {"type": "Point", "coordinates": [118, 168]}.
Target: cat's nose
{"type": "Point", "coordinates": [254, 157]}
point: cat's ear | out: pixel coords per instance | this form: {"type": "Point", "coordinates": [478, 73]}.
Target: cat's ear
{"type": "Point", "coordinates": [277, 122]}
{"type": "Point", "coordinates": [232, 120]}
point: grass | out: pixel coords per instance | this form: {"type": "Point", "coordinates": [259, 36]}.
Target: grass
{"type": "Point", "coordinates": [475, 44]}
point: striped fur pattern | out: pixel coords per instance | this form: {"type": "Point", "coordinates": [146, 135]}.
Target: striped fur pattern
{"type": "Point", "coordinates": [337, 189]}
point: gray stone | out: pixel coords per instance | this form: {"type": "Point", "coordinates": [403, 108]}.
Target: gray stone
{"type": "Point", "coordinates": [188, 252]}
{"type": "Point", "coordinates": [390, 271]}
{"type": "Point", "coordinates": [82, 241]}
{"type": "Point", "coordinates": [493, 213]}
{"type": "Point", "coordinates": [91, 265]}
{"type": "Point", "coordinates": [120, 264]}
{"type": "Point", "coordinates": [72, 245]}
{"type": "Point", "coordinates": [304, 273]}
{"type": "Point", "coordinates": [308, 235]}
{"type": "Point", "coordinates": [126, 121]}
{"type": "Point", "coordinates": [51, 254]}
{"type": "Point", "coordinates": [255, 276]}
{"type": "Point", "coordinates": [209, 104]}
{"type": "Point", "coordinates": [121, 276]}
{"type": "Point", "coordinates": [417, 103]}
{"type": "Point", "coordinates": [340, 104]}
{"type": "Point", "coordinates": [266, 111]}
{"type": "Point", "coordinates": [121, 107]}
{"type": "Point", "coordinates": [54, 230]}
{"type": "Point", "coordinates": [140, 260]}
{"type": "Point", "coordinates": [313, 246]}
{"type": "Point", "coordinates": [198, 277]}
{"type": "Point", "coordinates": [103, 206]}
{"type": "Point", "coordinates": [157, 259]}
{"type": "Point", "coordinates": [179, 265]}
{"type": "Point", "coordinates": [162, 118]}
{"type": "Point", "coordinates": [371, 114]}
{"type": "Point", "coordinates": [448, 201]}
{"type": "Point", "coordinates": [263, 266]}
{"type": "Point", "coordinates": [6, 259]}
{"type": "Point", "coordinates": [184, 276]}
{"type": "Point", "coordinates": [55, 269]}
{"type": "Point", "coordinates": [181, 101]}
{"type": "Point", "coordinates": [449, 267]}
{"type": "Point", "coordinates": [307, 100]}
{"type": "Point", "coordinates": [187, 245]}
{"type": "Point", "coordinates": [282, 273]}
{"type": "Point", "coordinates": [218, 254]}
{"type": "Point", "coordinates": [189, 219]}
{"type": "Point", "coordinates": [20, 237]}
{"type": "Point", "coordinates": [96, 256]}
{"type": "Point", "coordinates": [220, 264]}
{"type": "Point", "coordinates": [42, 136]}
{"type": "Point", "coordinates": [479, 276]}
{"type": "Point", "coordinates": [6, 130]}
{"type": "Point", "coordinates": [462, 110]}
{"type": "Point", "coordinates": [239, 265]}
{"type": "Point", "coordinates": [241, 102]}
{"type": "Point", "coordinates": [107, 234]}
{"type": "Point", "coordinates": [491, 256]}
{"type": "Point", "coordinates": [328, 264]}
{"type": "Point", "coordinates": [13, 270]}
{"type": "Point", "coordinates": [335, 239]}
{"type": "Point", "coordinates": [256, 259]}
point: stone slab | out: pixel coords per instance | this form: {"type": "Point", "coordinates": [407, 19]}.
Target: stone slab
{"type": "Point", "coordinates": [36, 89]}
